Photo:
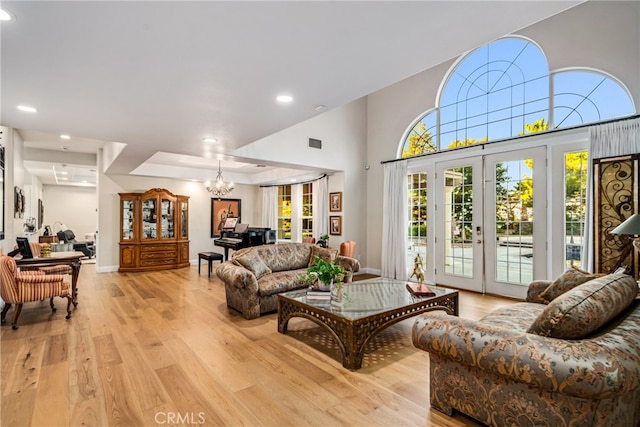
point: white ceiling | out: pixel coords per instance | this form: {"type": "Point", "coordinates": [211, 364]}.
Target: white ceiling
{"type": "Point", "coordinates": [158, 77]}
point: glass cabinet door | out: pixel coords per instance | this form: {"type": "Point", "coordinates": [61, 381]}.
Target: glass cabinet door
{"type": "Point", "coordinates": [167, 217]}
{"type": "Point", "coordinates": [149, 227]}
{"type": "Point", "coordinates": [127, 220]}
{"type": "Point", "coordinates": [184, 220]}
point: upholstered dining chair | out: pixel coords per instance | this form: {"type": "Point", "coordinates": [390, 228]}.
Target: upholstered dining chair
{"type": "Point", "coordinates": [347, 248]}
{"type": "Point", "coordinates": [18, 287]}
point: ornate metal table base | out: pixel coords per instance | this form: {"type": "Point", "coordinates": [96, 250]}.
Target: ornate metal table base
{"type": "Point", "coordinates": [352, 335]}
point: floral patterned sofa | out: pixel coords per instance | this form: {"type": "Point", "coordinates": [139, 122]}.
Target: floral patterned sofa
{"type": "Point", "coordinates": [255, 276]}
{"type": "Point", "coordinates": [568, 356]}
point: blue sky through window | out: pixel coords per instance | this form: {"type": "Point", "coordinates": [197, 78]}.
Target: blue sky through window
{"type": "Point", "coordinates": [501, 87]}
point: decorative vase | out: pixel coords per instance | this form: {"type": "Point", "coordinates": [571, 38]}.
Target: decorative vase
{"type": "Point", "coordinates": [321, 286]}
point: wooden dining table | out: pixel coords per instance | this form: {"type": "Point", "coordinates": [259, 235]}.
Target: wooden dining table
{"type": "Point", "coordinates": [71, 258]}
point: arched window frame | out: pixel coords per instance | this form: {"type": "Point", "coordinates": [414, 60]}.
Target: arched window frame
{"type": "Point", "coordinates": [551, 97]}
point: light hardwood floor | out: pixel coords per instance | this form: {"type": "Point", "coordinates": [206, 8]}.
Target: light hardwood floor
{"type": "Point", "coordinates": [161, 348]}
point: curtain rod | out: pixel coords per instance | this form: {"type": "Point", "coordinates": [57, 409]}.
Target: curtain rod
{"type": "Point", "coordinates": [296, 183]}
{"type": "Point", "coordinates": [587, 125]}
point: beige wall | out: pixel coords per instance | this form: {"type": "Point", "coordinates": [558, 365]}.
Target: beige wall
{"type": "Point", "coordinates": [199, 213]}
{"type": "Point", "coordinates": [603, 35]}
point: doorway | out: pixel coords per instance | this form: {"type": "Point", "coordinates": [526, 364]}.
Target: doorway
{"type": "Point", "coordinates": [486, 204]}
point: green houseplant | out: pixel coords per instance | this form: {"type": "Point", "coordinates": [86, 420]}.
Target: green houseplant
{"type": "Point", "coordinates": [325, 272]}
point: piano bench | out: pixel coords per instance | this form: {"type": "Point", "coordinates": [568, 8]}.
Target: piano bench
{"type": "Point", "coordinates": [210, 257]}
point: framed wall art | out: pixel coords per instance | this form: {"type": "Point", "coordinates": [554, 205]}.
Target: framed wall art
{"type": "Point", "coordinates": [335, 225]}
{"type": "Point", "coordinates": [221, 209]}
{"type": "Point", "coordinates": [40, 213]}
{"type": "Point", "coordinates": [18, 211]}
{"type": "Point", "coordinates": [335, 202]}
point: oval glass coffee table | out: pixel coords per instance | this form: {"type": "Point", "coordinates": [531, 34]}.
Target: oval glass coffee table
{"type": "Point", "coordinates": [368, 307]}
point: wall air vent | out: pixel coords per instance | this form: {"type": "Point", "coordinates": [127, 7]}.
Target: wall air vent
{"type": "Point", "coordinates": [315, 143]}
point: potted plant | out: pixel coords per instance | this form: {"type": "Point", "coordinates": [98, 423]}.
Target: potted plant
{"type": "Point", "coordinates": [327, 273]}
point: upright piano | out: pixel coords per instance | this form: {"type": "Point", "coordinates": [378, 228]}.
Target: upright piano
{"type": "Point", "coordinates": [243, 236]}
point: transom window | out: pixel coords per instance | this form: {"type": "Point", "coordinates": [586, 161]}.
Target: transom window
{"type": "Point", "coordinates": [502, 90]}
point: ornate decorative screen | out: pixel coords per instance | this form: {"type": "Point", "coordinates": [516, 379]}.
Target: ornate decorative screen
{"type": "Point", "coordinates": [615, 200]}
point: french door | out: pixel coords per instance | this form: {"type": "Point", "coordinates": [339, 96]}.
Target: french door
{"type": "Point", "coordinates": [486, 239]}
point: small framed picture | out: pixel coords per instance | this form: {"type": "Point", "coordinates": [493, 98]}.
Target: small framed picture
{"type": "Point", "coordinates": [335, 202]}
{"type": "Point", "coordinates": [335, 225]}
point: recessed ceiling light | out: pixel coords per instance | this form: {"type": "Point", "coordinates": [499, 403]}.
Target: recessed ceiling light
{"type": "Point", "coordinates": [284, 98]}
{"type": "Point", "coordinates": [27, 109]}
{"type": "Point", "coordinates": [210, 140]}
{"type": "Point", "coordinates": [4, 16]}
{"type": "Point", "coordinates": [293, 180]}
{"type": "Point", "coordinates": [65, 136]}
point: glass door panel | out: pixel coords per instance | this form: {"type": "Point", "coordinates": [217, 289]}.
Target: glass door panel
{"type": "Point", "coordinates": [127, 220]}
{"type": "Point", "coordinates": [149, 227]}
{"type": "Point", "coordinates": [459, 241]}
{"type": "Point", "coordinates": [458, 221]}
{"type": "Point", "coordinates": [417, 199]}
{"type": "Point", "coordinates": [166, 219]}
{"type": "Point", "coordinates": [184, 220]}
{"type": "Point", "coordinates": [515, 185]}
{"type": "Point", "coordinates": [514, 226]}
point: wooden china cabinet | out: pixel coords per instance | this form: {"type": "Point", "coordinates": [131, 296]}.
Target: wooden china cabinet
{"type": "Point", "coordinates": [154, 230]}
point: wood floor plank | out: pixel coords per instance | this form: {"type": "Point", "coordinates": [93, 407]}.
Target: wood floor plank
{"type": "Point", "coordinates": [27, 367]}
{"type": "Point", "coordinates": [121, 406]}
{"type": "Point", "coordinates": [56, 349]}
{"type": "Point", "coordinates": [51, 406]}
{"type": "Point", "coordinates": [185, 396]}
{"type": "Point", "coordinates": [143, 347]}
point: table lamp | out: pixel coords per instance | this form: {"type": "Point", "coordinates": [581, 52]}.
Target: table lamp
{"type": "Point", "coordinates": [631, 227]}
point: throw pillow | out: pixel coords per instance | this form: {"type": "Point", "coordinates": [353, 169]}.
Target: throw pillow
{"type": "Point", "coordinates": [567, 280]}
{"type": "Point", "coordinates": [325, 254]}
{"type": "Point", "coordinates": [252, 262]}
{"type": "Point", "coordinates": [586, 308]}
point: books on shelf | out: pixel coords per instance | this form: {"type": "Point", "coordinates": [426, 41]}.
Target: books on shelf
{"type": "Point", "coordinates": [420, 290]}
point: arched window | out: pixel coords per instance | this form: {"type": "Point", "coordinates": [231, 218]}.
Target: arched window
{"type": "Point", "coordinates": [585, 96]}
{"type": "Point", "coordinates": [501, 90]}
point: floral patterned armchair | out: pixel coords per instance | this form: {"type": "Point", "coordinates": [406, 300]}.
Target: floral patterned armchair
{"type": "Point", "coordinates": [573, 360]}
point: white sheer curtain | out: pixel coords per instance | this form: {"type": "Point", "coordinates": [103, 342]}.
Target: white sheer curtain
{"type": "Point", "coordinates": [321, 207]}
{"type": "Point", "coordinates": [394, 221]}
{"type": "Point", "coordinates": [607, 140]}
{"type": "Point", "coordinates": [270, 207]}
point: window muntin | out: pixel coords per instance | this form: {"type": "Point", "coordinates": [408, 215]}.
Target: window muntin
{"type": "Point", "coordinates": [417, 231]}
{"type": "Point", "coordinates": [502, 89]}
{"type": "Point", "coordinates": [575, 195]}
{"type": "Point", "coordinates": [586, 97]}
{"type": "Point", "coordinates": [307, 210]}
{"type": "Point", "coordinates": [284, 212]}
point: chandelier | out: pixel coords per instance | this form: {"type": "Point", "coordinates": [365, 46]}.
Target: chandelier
{"type": "Point", "coordinates": [219, 188]}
